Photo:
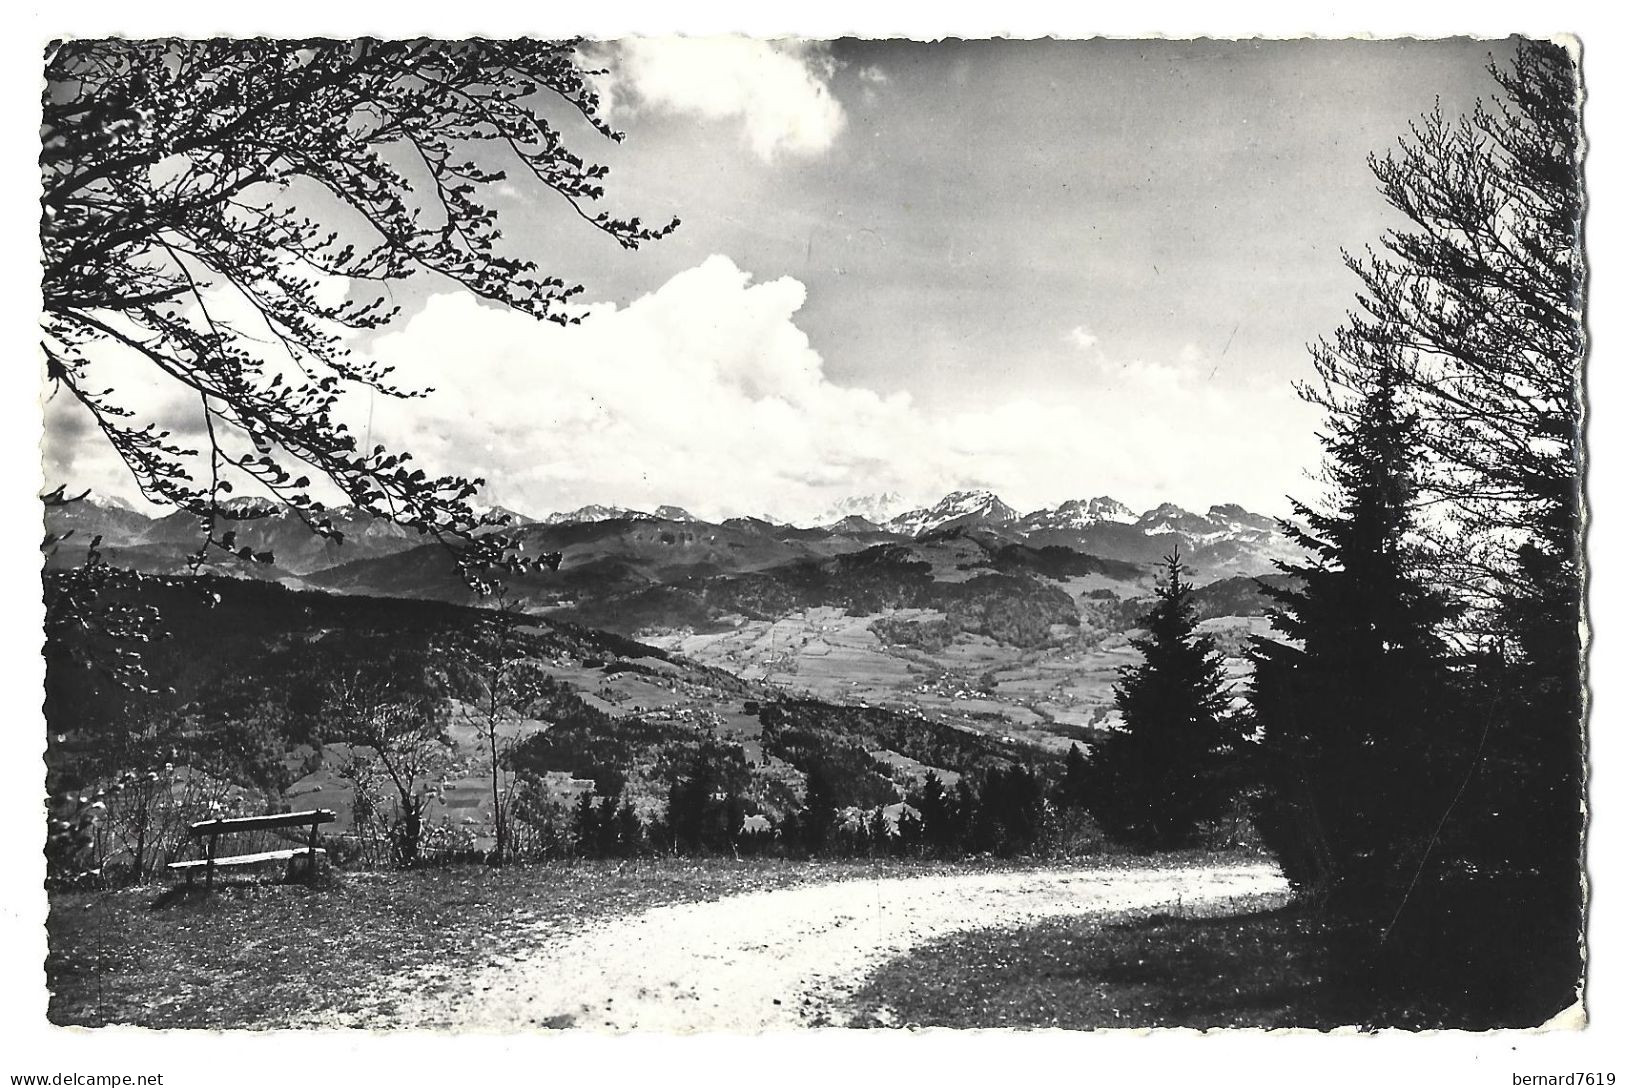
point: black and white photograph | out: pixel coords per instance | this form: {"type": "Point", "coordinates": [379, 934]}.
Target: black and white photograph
{"type": "Point", "coordinates": [730, 533]}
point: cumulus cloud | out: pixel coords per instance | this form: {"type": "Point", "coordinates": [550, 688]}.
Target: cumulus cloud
{"type": "Point", "coordinates": [779, 90]}
{"type": "Point", "coordinates": [706, 393]}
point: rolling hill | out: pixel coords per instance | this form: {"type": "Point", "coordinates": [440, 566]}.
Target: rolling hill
{"type": "Point", "coordinates": [1006, 624]}
{"type": "Point", "coordinates": [243, 689]}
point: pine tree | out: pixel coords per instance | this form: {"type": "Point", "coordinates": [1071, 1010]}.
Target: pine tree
{"type": "Point", "coordinates": [935, 814]}
{"type": "Point", "coordinates": [607, 829]}
{"type": "Point", "coordinates": [980, 811]}
{"type": "Point", "coordinates": [910, 832]}
{"type": "Point", "coordinates": [628, 830]}
{"type": "Point", "coordinates": [964, 818]}
{"type": "Point", "coordinates": [818, 810]}
{"type": "Point", "coordinates": [879, 832]}
{"type": "Point", "coordinates": [1073, 791]}
{"type": "Point", "coordinates": [585, 828]}
{"type": "Point", "coordinates": [688, 802]}
{"type": "Point", "coordinates": [1154, 781]}
{"type": "Point", "coordinates": [1356, 737]}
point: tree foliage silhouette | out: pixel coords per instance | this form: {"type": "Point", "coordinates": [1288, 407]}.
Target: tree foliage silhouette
{"type": "Point", "coordinates": [1073, 789]}
{"type": "Point", "coordinates": [508, 685]}
{"type": "Point", "coordinates": [1152, 782]}
{"type": "Point", "coordinates": [406, 737]}
{"type": "Point", "coordinates": [231, 214]}
{"type": "Point", "coordinates": [1466, 346]}
{"type": "Point", "coordinates": [1357, 736]}
{"type": "Point", "coordinates": [1484, 295]}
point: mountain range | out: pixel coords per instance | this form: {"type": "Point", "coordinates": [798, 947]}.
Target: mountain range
{"type": "Point", "coordinates": [1227, 540]}
{"type": "Point", "coordinates": [980, 508]}
{"type": "Point", "coordinates": [913, 611]}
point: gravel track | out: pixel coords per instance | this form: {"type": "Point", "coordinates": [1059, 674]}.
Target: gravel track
{"type": "Point", "coordinates": [783, 959]}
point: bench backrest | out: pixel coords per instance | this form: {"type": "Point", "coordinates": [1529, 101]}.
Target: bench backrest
{"type": "Point", "coordinates": [263, 823]}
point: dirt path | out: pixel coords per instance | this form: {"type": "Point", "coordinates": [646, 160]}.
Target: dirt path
{"type": "Point", "coordinates": [789, 958]}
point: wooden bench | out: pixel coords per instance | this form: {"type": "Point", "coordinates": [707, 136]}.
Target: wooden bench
{"type": "Point", "coordinates": [213, 829]}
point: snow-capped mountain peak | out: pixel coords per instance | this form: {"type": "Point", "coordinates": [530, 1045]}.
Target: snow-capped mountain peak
{"type": "Point", "coordinates": [109, 502]}
{"type": "Point", "coordinates": [1224, 521]}
{"type": "Point", "coordinates": [514, 518]}
{"type": "Point", "coordinates": [1080, 514]}
{"type": "Point", "coordinates": [1165, 512]}
{"type": "Point", "coordinates": [1105, 508]}
{"type": "Point", "coordinates": [594, 512]}
{"type": "Point", "coordinates": [956, 508]}
{"type": "Point", "coordinates": [250, 506]}
{"type": "Point", "coordinates": [1239, 519]}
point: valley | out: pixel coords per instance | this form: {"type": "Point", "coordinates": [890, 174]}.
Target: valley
{"type": "Point", "coordinates": [980, 620]}
{"type": "Point", "coordinates": [977, 640]}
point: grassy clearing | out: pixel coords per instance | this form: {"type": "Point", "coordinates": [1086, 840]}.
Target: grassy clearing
{"type": "Point", "coordinates": [1142, 971]}
{"type": "Point", "coordinates": [1264, 964]}
{"type": "Point", "coordinates": [259, 954]}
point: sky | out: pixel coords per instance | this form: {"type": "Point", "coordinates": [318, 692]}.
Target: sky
{"type": "Point", "coordinates": [1052, 269]}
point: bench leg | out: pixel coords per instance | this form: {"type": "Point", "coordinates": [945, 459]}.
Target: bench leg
{"type": "Point", "coordinates": [310, 875]}
{"type": "Point", "coordinates": [208, 879]}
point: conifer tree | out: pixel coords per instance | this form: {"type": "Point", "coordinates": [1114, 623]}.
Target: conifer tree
{"type": "Point", "coordinates": [1356, 735]}
{"type": "Point", "coordinates": [818, 810]}
{"type": "Point", "coordinates": [1478, 298]}
{"type": "Point", "coordinates": [1483, 288]}
{"type": "Point", "coordinates": [628, 830]}
{"type": "Point", "coordinates": [1072, 790]}
{"type": "Point", "coordinates": [879, 833]}
{"type": "Point", "coordinates": [910, 832]}
{"type": "Point", "coordinates": [933, 804]}
{"type": "Point", "coordinates": [606, 828]}
{"type": "Point", "coordinates": [1153, 782]}
{"type": "Point", "coordinates": [965, 815]}
{"type": "Point", "coordinates": [686, 803]}
{"type": "Point", "coordinates": [585, 829]}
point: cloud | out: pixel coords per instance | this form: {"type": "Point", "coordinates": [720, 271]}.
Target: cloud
{"type": "Point", "coordinates": [1081, 338]}
{"type": "Point", "coordinates": [780, 90]}
{"type": "Point", "coordinates": [706, 393]}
